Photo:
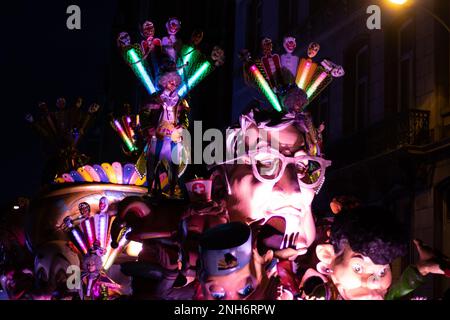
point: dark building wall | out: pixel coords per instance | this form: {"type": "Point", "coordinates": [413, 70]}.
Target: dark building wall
{"type": "Point", "coordinates": [387, 119]}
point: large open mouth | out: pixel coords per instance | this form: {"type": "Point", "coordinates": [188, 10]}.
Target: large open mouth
{"type": "Point", "coordinates": [276, 234]}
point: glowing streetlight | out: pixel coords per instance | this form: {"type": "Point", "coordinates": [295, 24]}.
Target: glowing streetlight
{"type": "Point", "coordinates": [399, 2]}
{"type": "Point", "coordinates": [430, 12]}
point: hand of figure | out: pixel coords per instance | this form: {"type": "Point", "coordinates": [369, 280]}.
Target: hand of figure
{"type": "Point", "coordinates": [284, 294]}
{"type": "Point", "coordinates": [428, 259]}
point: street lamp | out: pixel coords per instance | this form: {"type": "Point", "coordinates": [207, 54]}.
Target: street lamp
{"type": "Point", "coordinates": [400, 2]}
{"type": "Point", "coordinates": [416, 3]}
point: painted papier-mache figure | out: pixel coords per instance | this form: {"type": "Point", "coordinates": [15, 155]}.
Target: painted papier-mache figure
{"type": "Point", "coordinates": [289, 61]}
{"type": "Point", "coordinates": [202, 214]}
{"type": "Point", "coordinates": [357, 262]}
{"type": "Point", "coordinates": [272, 188]}
{"type": "Point", "coordinates": [95, 284]}
{"type": "Point", "coordinates": [164, 117]}
{"type": "Point", "coordinates": [171, 43]}
{"type": "Point", "coordinates": [149, 43]}
{"type": "Point", "coordinates": [271, 63]}
{"type": "Point", "coordinates": [62, 131]}
{"type": "Point", "coordinates": [231, 269]}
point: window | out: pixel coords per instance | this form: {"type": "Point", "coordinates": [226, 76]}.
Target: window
{"type": "Point", "coordinates": [362, 87]}
{"type": "Point", "coordinates": [356, 86]}
{"type": "Point", "coordinates": [405, 67]}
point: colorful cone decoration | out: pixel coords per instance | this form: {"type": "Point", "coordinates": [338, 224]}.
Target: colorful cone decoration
{"type": "Point", "coordinates": [264, 87]}
{"type": "Point", "coordinates": [76, 235]}
{"type": "Point", "coordinates": [126, 127]}
{"type": "Point", "coordinates": [88, 227]}
{"type": "Point", "coordinates": [122, 243]}
{"type": "Point", "coordinates": [101, 221]}
{"type": "Point", "coordinates": [105, 173]}
{"type": "Point", "coordinates": [134, 57]}
{"type": "Point", "coordinates": [319, 81]}
{"type": "Point", "coordinates": [94, 234]}
{"type": "Point", "coordinates": [305, 71]}
{"type": "Point", "coordinates": [202, 72]}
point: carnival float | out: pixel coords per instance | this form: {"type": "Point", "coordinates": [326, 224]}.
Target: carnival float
{"type": "Point", "coordinates": [136, 230]}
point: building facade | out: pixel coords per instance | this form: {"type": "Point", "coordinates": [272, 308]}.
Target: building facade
{"type": "Point", "coordinates": [388, 120]}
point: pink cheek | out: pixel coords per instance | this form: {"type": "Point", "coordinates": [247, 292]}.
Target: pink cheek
{"type": "Point", "coordinates": [349, 279]}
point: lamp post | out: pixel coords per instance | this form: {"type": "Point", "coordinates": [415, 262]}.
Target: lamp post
{"type": "Point", "coordinates": [431, 13]}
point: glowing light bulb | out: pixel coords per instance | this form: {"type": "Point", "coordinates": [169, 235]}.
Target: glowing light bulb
{"type": "Point", "coordinates": [399, 2]}
{"type": "Point", "coordinates": [134, 248]}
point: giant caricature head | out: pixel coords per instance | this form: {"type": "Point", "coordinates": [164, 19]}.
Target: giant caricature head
{"type": "Point", "coordinates": [364, 241]}
{"type": "Point", "coordinates": [229, 267]}
{"type": "Point", "coordinates": [274, 178]}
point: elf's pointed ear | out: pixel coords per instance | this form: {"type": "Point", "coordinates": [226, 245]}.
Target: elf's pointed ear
{"type": "Point", "coordinates": [325, 253]}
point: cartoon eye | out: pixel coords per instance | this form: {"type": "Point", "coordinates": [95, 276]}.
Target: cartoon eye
{"type": "Point", "coordinates": [357, 268]}
{"type": "Point", "coordinates": [246, 290]}
{"type": "Point", "coordinates": [218, 295]}
{"type": "Point", "coordinates": [382, 273]}
{"type": "Point", "coordinates": [217, 292]}
{"type": "Point", "coordinates": [268, 163]}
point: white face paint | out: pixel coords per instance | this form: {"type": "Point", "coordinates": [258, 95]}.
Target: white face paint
{"type": "Point", "coordinates": [173, 26]}
{"type": "Point", "coordinates": [148, 30]}
{"type": "Point", "coordinates": [289, 44]}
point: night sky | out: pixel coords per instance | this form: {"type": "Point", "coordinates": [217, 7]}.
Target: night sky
{"type": "Point", "coordinates": [42, 60]}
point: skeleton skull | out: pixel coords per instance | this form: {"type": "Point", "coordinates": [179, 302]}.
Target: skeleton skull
{"type": "Point", "coordinates": [338, 71]}
{"type": "Point", "coordinates": [79, 103]}
{"type": "Point", "coordinates": [218, 56]}
{"type": "Point", "coordinates": [313, 49]}
{"type": "Point", "coordinates": [61, 103]}
{"type": "Point", "coordinates": [123, 40]}
{"type": "Point", "coordinates": [266, 44]}
{"type": "Point", "coordinates": [93, 108]}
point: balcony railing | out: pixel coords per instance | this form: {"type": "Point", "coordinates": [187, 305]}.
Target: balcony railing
{"type": "Point", "coordinates": [407, 128]}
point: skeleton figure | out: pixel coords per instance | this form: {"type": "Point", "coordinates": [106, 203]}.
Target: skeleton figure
{"type": "Point", "coordinates": [288, 60]}
{"type": "Point", "coordinates": [271, 63]}
{"type": "Point", "coordinates": [149, 43]}
{"type": "Point", "coordinates": [170, 42]}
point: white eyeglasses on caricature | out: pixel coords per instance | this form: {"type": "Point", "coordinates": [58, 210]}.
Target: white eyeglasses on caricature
{"type": "Point", "coordinates": [269, 164]}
